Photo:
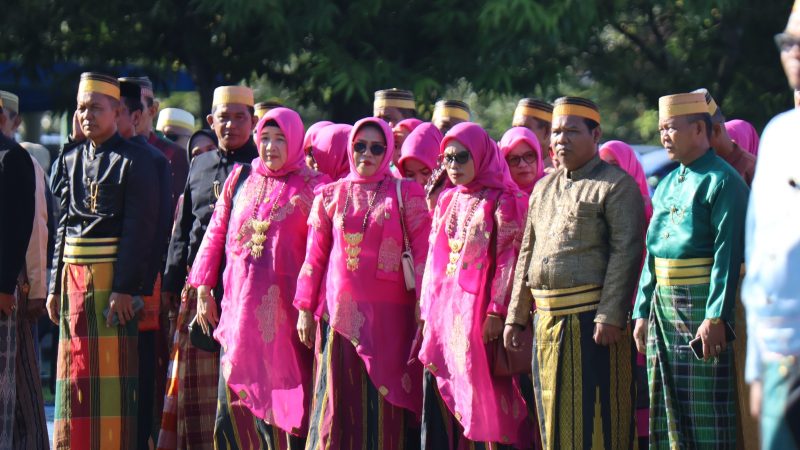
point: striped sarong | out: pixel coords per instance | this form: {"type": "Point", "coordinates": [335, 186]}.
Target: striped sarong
{"type": "Point", "coordinates": [692, 402]}
{"type": "Point", "coordinates": [584, 391]}
{"type": "Point", "coordinates": [348, 411]}
{"type": "Point", "coordinates": [30, 426]}
{"type": "Point", "coordinates": [8, 397]}
{"type": "Point", "coordinates": [238, 428]}
{"type": "Point", "coordinates": [440, 429]}
{"type": "Point", "coordinates": [96, 382]}
{"type": "Point", "coordinates": [190, 403]}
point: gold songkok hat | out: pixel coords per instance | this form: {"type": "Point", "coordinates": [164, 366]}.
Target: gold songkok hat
{"type": "Point", "coordinates": [394, 98]}
{"type": "Point", "coordinates": [447, 109]}
{"type": "Point", "coordinates": [262, 108]}
{"type": "Point", "coordinates": [9, 101]}
{"type": "Point", "coordinates": [242, 95]}
{"type": "Point", "coordinates": [682, 105]}
{"type": "Point", "coordinates": [175, 117]}
{"type": "Point", "coordinates": [99, 83]}
{"type": "Point", "coordinates": [531, 107]}
{"type": "Point", "coordinates": [713, 109]}
{"type": "Point", "coordinates": [576, 106]}
{"type": "Point", "coordinates": [144, 83]}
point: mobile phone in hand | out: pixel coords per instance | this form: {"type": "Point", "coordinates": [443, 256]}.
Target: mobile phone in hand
{"type": "Point", "coordinates": [696, 344]}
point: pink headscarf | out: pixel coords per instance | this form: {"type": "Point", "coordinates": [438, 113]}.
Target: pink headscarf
{"type": "Point", "coordinates": [330, 150]}
{"type": "Point", "coordinates": [744, 134]}
{"type": "Point", "coordinates": [409, 124]}
{"type": "Point", "coordinates": [491, 170]}
{"type": "Point", "coordinates": [422, 145]}
{"type": "Point", "coordinates": [514, 137]}
{"type": "Point", "coordinates": [291, 125]}
{"type": "Point", "coordinates": [628, 162]}
{"type": "Point", "coordinates": [312, 132]}
{"type": "Point", "coordinates": [383, 169]}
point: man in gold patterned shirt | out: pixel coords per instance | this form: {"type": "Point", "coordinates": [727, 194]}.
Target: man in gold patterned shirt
{"type": "Point", "coordinates": [579, 263]}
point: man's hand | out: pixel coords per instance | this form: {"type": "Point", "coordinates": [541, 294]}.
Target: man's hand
{"type": "Point", "coordinates": [756, 398]}
{"type": "Point", "coordinates": [122, 306]}
{"type": "Point", "coordinates": [306, 328]}
{"type": "Point", "coordinates": [35, 308]}
{"type": "Point", "coordinates": [53, 307]}
{"type": "Point", "coordinates": [8, 303]}
{"type": "Point", "coordinates": [713, 336]}
{"type": "Point", "coordinates": [640, 335]}
{"type": "Point", "coordinates": [511, 338]}
{"type": "Point", "coordinates": [207, 312]}
{"type": "Point", "coordinates": [492, 328]}
{"type": "Point", "coordinates": [605, 334]}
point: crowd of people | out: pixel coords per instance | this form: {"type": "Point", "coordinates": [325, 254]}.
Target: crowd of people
{"type": "Point", "coordinates": [400, 284]}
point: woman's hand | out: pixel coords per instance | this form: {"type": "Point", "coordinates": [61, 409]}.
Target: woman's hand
{"type": "Point", "coordinates": [306, 328]}
{"type": "Point", "coordinates": [207, 312]}
{"type": "Point", "coordinates": [492, 328]}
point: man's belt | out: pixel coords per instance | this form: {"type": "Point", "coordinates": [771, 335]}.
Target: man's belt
{"type": "Point", "coordinates": [560, 302]}
{"type": "Point", "coordinates": [683, 272]}
{"type": "Point", "coordinates": [78, 250]}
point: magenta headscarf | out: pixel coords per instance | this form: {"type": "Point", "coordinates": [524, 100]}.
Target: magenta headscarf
{"type": "Point", "coordinates": [744, 134]}
{"type": "Point", "coordinates": [423, 145]}
{"type": "Point", "coordinates": [409, 124]}
{"type": "Point", "coordinates": [330, 150]}
{"type": "Point", "coordinates": [312, 132]}
{"type": "Point", "coordinates": [626, 158]}
{"type": "Point", "coordinates": [512, 138]}
{"type": "Point", "coordinates": [491, 170]}
{"type": "Point", "coordinates": [383, 169]}
{"type": "Point", "coordinates": [291, 125]}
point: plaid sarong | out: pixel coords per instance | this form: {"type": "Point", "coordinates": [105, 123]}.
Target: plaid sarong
{"type": "Point", "coordinates": [96, 383]}
{"type": "Point", "coordinates": [190, 404]}
{"type": "Point", "coordinates": [692, 402]}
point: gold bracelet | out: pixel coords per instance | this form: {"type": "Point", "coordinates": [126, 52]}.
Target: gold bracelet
{"type": "Point", "coordinates": [715, 320]}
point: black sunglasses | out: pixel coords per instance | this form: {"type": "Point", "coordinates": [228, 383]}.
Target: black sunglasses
{"type": "Point", "coordinates": [458, 158]}
{"type": "Point", "coordinates": [786, 42]}
{"type": "Point", "coordinates": [515, 160]}
{"type": "Point", "coordinates": [375, 149]}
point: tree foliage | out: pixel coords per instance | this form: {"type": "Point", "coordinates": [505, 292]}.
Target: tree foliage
{"type": "Point", "coordinates": [335, 53]}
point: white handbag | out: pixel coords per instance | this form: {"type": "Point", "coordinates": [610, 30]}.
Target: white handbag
{"type": "Point", "coordinates": [407, 259]}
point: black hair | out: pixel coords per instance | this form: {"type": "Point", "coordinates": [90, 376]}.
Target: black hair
{"type": "Point", "coordinates": [272, 123]}
{"type": "Point", "coordinates": [590, 124]}
{"type": "Point", "coordinates": [133, 104]}
{"type": "Point", "coordinates": [702, 117]}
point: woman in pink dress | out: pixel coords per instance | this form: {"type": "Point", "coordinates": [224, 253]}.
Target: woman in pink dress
{"type": "Point", "coordinates": [419, 155]}
{"type": "Point", "coordinates": [523, 154]}
{"type": "Point", "coordinates": [401, 132]}
{"type": "Point", "coordinates": [475, 238]}
{"type": "Point", "coordinates": [308, 140]}
{"type": "Point", "coordinates": [328, 153]}
{"type": "Point", "coordinates": [622, 155]}
{"type": "Point", "coordinates": [367, 394]}
{"type": "Point", "coordinates": [259, 228]}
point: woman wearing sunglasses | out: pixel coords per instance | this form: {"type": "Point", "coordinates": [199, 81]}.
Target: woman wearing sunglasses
{"type": "Point", "coordinates": [367, 395]}
{"type": "Point", "coordinates": [419, 155]}
{"type": "Point", "coordinates": [522, 152]}
{"type": "Point", "coordinates": [259, 228]}
{"type": "Point", "coordinates": [474, 244]}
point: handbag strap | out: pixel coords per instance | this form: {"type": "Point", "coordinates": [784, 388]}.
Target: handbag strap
{"type": "Point", "coordinates": [402, 214]}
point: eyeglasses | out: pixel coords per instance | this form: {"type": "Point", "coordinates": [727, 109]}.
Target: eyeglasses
{"type": "Point", "coordinates": [786, 42]}
{"type": "Point", "coordinates": [515, 160]}
{"type": "Point", "coordinates": [458, 158]}
{"type": "Point", "coordinates": [375, 149]}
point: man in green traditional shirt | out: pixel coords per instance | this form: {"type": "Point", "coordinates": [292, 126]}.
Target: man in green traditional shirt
{"type": "Point", "coordinates": [578, 262]}
{"type": "Point", "coordinates": [687, 290]}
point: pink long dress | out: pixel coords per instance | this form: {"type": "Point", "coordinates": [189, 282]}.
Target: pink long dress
{"type": "Point", "coordinates": [263, 361]}
{"type": "Point", "coordinates": [367, 303]}
{"type": "Point", "coordinates": [455, 306]}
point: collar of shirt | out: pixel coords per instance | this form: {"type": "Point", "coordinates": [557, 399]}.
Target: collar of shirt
{"type": "Point", "coordinates": [700, 162]}
{"type": "Point", "coordinates": [584, 170]}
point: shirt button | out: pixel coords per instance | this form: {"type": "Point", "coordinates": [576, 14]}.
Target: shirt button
{"type": "Point", "coordinates": [665, 235]}
{"type": "Point", "coordinates": [85, 223]}
{"type": "Point", "coordinates": [545, 260]}
{"type": "Point", "coordinates": [568, 185]}
{"type": "Point", "coordinates": [544, 287]}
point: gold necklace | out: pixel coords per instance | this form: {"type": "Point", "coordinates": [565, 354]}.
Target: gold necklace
{"type": "Point", "coordinates": [353, 240]}
{"type": "Point", "coordinates": [93, 188]}
{"type": "Point", "coordinates": [259, 227]}
{"type": "Point", "coordinates": [457, 245]}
